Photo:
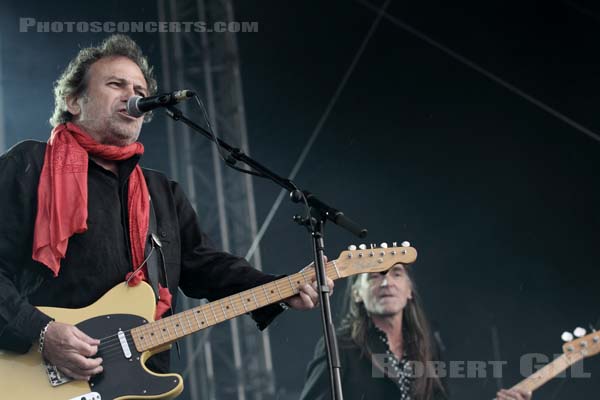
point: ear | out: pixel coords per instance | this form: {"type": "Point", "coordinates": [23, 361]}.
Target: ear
{"type": "Point", "coordinates": [410, 296]}
{"type": "Point", "coordinates": [73, 105]}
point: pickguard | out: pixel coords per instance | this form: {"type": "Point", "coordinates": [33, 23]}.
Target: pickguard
{"type": "Point", "coordinates": [123, 376]}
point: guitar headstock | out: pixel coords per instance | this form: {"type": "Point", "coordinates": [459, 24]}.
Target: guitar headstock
{"type": "Point", "coordinates": [585, 346]}
{"type": "Point", "coordinates": [373, 259]}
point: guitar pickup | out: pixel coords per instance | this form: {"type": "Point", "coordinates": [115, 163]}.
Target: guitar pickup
{"type": "Point", "coordinates": [124, 344]}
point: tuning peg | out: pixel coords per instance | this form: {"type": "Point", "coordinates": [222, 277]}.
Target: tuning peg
{"type": "Point", "coordinates": [405, 244]}
{"type": "Point", "coordinates": [352, 247]}
{"type": "Point", "coordinates": [362, 246]}
{"type": "Point", "coordinates": [579, 332]}
{"type": "Point", "coordinates": [383, 245]}
{"type": "Point", "coordinates": [566, 336]}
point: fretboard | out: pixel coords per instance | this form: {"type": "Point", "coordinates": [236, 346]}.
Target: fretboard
{"type": "Point", "coordinates": [170, 329]}
{"type": "Point", "coordinates": [549, 371]}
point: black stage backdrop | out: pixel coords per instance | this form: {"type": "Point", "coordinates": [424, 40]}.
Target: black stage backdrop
{"type": "Point", "coordinates": [499, 196]}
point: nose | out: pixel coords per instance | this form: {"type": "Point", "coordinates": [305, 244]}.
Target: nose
{"type": "Point", "coordinates": [384, 282]}
{"type": "Point", "coordinates": [127, 92]}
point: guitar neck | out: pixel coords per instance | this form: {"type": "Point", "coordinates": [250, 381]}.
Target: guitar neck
{"type": "Point", "coordinates": [549, 371]}
{"type": "Point", "coordinates": [177, 326]}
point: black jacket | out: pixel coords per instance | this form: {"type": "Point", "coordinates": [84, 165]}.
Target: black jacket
{"type": "Point", "coordinates": [99, 258]}
{"type": "Point", "coordinates": [361, 379]}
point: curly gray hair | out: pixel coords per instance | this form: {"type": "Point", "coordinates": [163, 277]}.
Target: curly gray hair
{"type": "Point", "coordinates": [73, 81]}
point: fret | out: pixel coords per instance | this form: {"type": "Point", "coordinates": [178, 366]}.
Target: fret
{"type": "Point", "coordinates": [175, 329]}
{"type": "Point", "coordinates": [180, 323]}
{"type": "Point", "coordinates": [305, 280]}
{"type": "Point", "coordinates": [203, 313]}
{"type": "Point", "coordinates": [196, 318]}
{"type": "Point", "coordinates": [166, 329]}
{"type": "Point", "coordinates": [146, 338]}
{"type": "Point", "coordinates": [169, 325]}
{"type": "Point", "coordinates": [336, 269]}
{"type": "Point", "coordinates": [243, 303]}
{"type": "Point", "coordinates": [150, 334]}
{"type": "Point", "coordinates": [139, 334]}
{"type": "Point", "coordinates": [188, 321]}
{"type": "Point", "coordinates": [278, 291]}
{"type": "Point", "coordinates": [232, 304]}
{"type": "Point", "coordinates": [292, 285]}
{"type": "Point", "coordinates": [223, 308]}
{"type": "Point", "coordinates": [162, 331]}
{"type": "Point", "coordinates": [142, 335]}
{"type": "Point", "coordinates": [255, 300]}
{"type": "Point", "coordinates": [213, 312]}
{"type": "Point", "coordinates": [266, 294]}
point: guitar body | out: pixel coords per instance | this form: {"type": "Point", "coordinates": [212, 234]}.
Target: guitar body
{"type": "Point", "coordinates": [24, 377]}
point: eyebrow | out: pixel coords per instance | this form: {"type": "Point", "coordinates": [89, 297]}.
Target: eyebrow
{"type": "Point", "coordinates": [394, 268]}
{"type": "Point", "coordinates": [122, 80]}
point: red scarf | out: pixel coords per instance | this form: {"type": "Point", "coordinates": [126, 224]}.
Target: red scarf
{"type": "Point", "coordinates": [63, 200]}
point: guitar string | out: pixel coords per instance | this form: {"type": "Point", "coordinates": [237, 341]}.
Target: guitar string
{"type": "Point", "coordinates": [107, 342]}
{"type": "Point", "coordinates": [113, 342]}
{"type": "Point", "coordinates": [235, 299]}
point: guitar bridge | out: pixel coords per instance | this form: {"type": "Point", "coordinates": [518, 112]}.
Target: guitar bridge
{"type": "Point", "coordinates": [55, 377]}
{"type": "Point", "coordinates": [88, 396]}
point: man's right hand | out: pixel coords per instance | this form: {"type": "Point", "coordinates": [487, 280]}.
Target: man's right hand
{"type": "Point", "coordinates": [70, 350]}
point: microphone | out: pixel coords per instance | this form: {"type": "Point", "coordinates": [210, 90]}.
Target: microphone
{"type": "Point", "coordinates": [138, 105]}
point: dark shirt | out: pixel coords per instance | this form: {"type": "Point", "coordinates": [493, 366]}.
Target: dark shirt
{"type": "Point", "coordinates": [360, 378]}
{"type": "Point", "coordinates": [99, 258]}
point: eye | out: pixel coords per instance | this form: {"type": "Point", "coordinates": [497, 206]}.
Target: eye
{"type": "Point", "coordinates": [373, 276]}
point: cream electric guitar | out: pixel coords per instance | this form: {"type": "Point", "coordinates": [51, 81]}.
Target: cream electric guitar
{"type": "Point", "coordinates": [121, 319]}
{"type": "Point", "coordinates": [573, 351]}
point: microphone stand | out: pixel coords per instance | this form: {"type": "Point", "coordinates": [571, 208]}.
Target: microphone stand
{"type": "Point", "coordinates": [319, 213]}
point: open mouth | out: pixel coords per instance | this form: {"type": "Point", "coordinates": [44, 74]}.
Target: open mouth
{"type": "Point", "coordinates": [124, 113]}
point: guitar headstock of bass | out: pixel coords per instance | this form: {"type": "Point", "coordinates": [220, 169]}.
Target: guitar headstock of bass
{"type": "Point", "coordinates": [361, 259]}
{"type": "Point", "coordinates": [584, 345]}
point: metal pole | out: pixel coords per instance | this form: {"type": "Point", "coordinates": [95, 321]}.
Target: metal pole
{"type": "Point", "coordinates": [166, 79]}
{"type": "Point", "coordinates": [256, 259]}
{"type": "Point", "coordinates": [218, 173]}
{"type": "Point", "coordinates": [2, 131]}
{"type": "Point", "coordinates": [190, 342]}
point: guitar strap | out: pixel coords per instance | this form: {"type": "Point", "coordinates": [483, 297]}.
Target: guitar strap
{"type": "Point", "coordinates": [152, 253]}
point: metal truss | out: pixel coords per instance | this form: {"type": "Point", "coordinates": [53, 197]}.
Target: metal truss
{"type": "Point", "coordinates": [2, 127]}
{"type": "Point", "coordinates": [231, 360]}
